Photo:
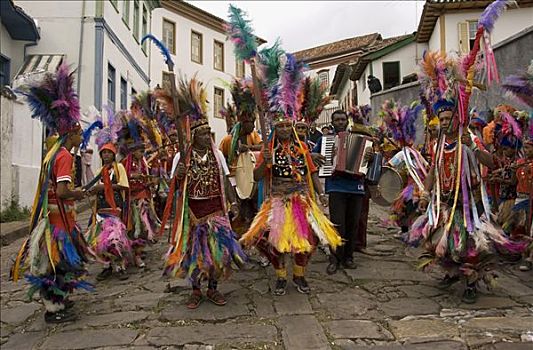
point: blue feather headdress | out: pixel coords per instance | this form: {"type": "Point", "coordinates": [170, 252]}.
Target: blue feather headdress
{"type": "Point", "coordinates": [400, 121]}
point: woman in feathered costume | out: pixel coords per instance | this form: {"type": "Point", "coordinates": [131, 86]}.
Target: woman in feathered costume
{"type": "Point", "coordinates": [203, 245]}
{"type": "Point", "coordinates": [290, 220]}
{"type": "Point", "coordinates": [53, 256]}
{"type": "Point", "coordinates": [400, 121]}
{"type": "Point", "coordinates": [107, 233]}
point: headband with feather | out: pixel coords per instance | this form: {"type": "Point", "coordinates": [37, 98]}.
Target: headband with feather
{"type": "Point", "coordinates": [360, 114]}
{"type": "Point", "coordinates": [54, 101]}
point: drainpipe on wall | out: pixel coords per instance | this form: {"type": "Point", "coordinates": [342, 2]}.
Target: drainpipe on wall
{"type": "Point", "coordinates": [80, 50]}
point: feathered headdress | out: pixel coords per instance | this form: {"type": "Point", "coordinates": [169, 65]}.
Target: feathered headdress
{"type": "Point", "coordinates": [509, 132]}
{"type": "Point", "coordinates": [311, 100]}
{"type": "Point", "coordinates": [360, 114]}
{"type": "Point", "coordinates": [400, 121]}
{"type": "Point", "coordinates": [284, 95]}
{"type": "Point", "coordinates": [243, 98]}
{"type": "Point", "coordinates": [54, 101]}
{"type": "Point", "coordinates": [520, 86]}
{"type": "Point", "coordinates": [108, 136]}
{"type": "Point", "coordinates": [192, 99]}
{"type": "Point", "coordinates": [270, 64]}
{"type": "Point", "coordinates": [241, 34]}
{"type": "Point", "coordinates": [438, 75]}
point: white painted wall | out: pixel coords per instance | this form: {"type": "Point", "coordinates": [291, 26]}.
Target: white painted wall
{"type": "Point", "coordinates": [363, 92]}
{"type": "Point", "coordinates": [434, 40]}
{"type": "Point", "coordinates": [511, 22]}
{"type": "Point", "coordinates": [205, 72]}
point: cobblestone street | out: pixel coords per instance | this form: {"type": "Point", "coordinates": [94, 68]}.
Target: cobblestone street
{"type": "Point", "coordinates": [385, 303]}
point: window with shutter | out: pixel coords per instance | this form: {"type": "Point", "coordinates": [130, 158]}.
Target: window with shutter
{"type": "Point", "coordinates": [472, 30]}
{"type": "Point", "coordinates": [462, 29]}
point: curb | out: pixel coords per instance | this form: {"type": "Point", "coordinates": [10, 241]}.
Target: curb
{"type": "Point", "coordinates": [20, 229]}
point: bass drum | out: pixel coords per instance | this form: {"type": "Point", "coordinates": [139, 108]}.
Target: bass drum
{"type": "Point", "coordinates": [244, 175]}
{"type": "Point", "coordinates": [389, 187]}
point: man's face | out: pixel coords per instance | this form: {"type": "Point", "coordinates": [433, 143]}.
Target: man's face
{"type": "Point", "coordinates": [138, 153]}
{"type": "Point", "coordinates": [301, 130]}
{"type": "Point", "coordinates": [107, 156]}
{"type": "Point", "coordinates": [247, 126]}
{"type": "Point", "coordinates": [283, 130]}
{"type": "Point", "coordinates": [173, 136]}
{"type": "Point", "coordinates": [445, 120]}
{"type": "Point", "coordinates": [202, 137]}
{"type": "Point", "coordinates": [340, 122]}
{"type": "Point", "coordinates": [434, 130]}
{"type": "Point", "coordinates": [75, 137]}
{"type": "Point", "coordinates": [508, 152]}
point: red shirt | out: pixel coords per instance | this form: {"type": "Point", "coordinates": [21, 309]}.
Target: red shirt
{"type": "Point", "coordinates": [61, 172]}
{"type": "Point", "coordinates": [524, 175]}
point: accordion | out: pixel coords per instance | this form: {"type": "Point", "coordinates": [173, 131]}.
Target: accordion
{"type": "Point", "coordinates": [345, 153]}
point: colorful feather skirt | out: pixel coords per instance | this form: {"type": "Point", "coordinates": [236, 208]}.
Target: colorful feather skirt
{"type": "Point", "coordinates": [144, 220]}
{"type": "Point", "coordinates": [404, 208]}
{"type": "Point", "coordinates": [459, 251]}
{"type": "Point", "coordinates": [107, 237]}
{"type": "Point", "coordinates": [52, 261]}
{"type": "Point", "coordinates": [515, 222]}
{"type": "Point", "coordinates": [207, 250]}
{"type": "Point", "coordinates": [291, 224]}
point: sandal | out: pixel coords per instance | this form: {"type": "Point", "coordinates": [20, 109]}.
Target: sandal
{"type": "Point", "coordinates": [194, 300]}
{"type": "Point", "coordinates": [216, 297]}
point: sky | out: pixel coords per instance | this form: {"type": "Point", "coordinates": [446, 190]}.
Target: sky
{"type": "Point", "coordinates": [306, 24]}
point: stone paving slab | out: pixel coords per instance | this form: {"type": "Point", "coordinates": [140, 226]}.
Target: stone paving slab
{"type": "Point", "coordinates": [211, 334]}
{"type": "Point", "coordinates": [357, 329]}
{"type": "Point", "coordinates": [423, 329]}
{"type": "Point", "coordinates": [383, 304]}
{"type": "Point", "coordinates": [302, 332]}
{"type": "Point", "coordinates": [88, 339]}
{"type": "Point", "coordinates": [23, 341]}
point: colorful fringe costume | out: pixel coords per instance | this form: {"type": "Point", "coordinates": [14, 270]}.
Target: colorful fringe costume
{"type": "Point", "coordinates": [290, 221]}
{"type": "Point", "coordinates": [456, 230]}
{"type": "Point", "coordinates": [107, 232]}
{"type": "Point", "coordinates": [53, 256]}
{"type": "Point", "coordinates": [203, 245]}
{"type": "Point", "coordinates": [400, 121]}
{"type": "Point", "coordinates": [143, 221]}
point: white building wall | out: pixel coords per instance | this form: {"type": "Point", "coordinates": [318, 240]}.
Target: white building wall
{"type": "Point", "coordinates": [511, 22]}
{"type": "Point", "coordinates": [434, 40]}
{"type": "Point", "coordinates": [183, 64]}
{"type": "Point", "coordinates": [363, 92]}
{"type": "Point", "coordinates": [118, 59]}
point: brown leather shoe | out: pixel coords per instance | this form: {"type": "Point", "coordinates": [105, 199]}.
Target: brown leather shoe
{"type": "Point", "coordinates": [216, 297]}
{"type": "Point", "coordinates": [194, 300]}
